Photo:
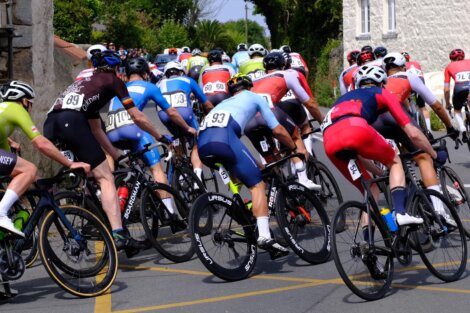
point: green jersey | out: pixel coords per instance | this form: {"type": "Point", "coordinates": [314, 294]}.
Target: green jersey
{"type": "Point", "coordinates": [12, 115]}
{"type": "Point", "coordinates": [254, 68]}
{"type": "Point", "coordinates": [196, 61]}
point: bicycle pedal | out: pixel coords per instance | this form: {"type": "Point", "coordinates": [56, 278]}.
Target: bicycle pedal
{"type": "Point", "coordinates": [131, 252]}
{"type": "Point", "coordinates": [275, 254]}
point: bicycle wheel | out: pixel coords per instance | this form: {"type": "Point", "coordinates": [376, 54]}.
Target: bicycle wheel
{"type": "Point", "coordinates": [209, 180]}
{"type": "Point", "coordinates": [228, 247]}
{"type": "Point", "coordinates": [448, 257]}
{"type": "Point", "coordinates": [454, 190]}
{"type": "Point", "coordinates": [186, 184]}
{"type": "Point", "coordinates": [366, 269]}
{"type": "Point", "coordinates": [303, 223]}
{"type": "Point", "coordinates": [90, 259]}
{"type": "Point", "coordinates": [176, 246]}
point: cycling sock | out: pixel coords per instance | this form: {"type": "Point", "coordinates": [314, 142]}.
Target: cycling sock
{"type": "Point", "coordinates": [436, 202]}
{"type": "Point", "coordinates": [302, 175]}
{"type": "Point", "coordinates": [169, 205]}
{"type": "Point", "coordinates": [198, 172]}
{"type": "Point", "coordinates": [458, 118]}
{"type": "Point", "coordinates": [9, 198]}
{"type": "Point", "coordinates": [399, 199]}
{"type": "Point", "coordinates": [118, 232]}
{"type": "Point", "coordinates": [308, 144]}
{"type": "Point", "coordinates": [428, 123]}
{"type": "Point", "coordinates": [263, 227]}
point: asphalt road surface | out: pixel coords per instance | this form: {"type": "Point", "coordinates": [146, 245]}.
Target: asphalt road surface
{"type": "Point", "coordinates": [150, 283]}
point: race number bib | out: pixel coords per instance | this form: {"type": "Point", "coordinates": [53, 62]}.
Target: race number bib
{"type": "Point", "coordinates": [264, 145]}
{"type": "Point", "coordinates": [224, 175]}
{"type": "Point", "coordinates": [289, 96]}
{"type": "Point", "coordinates": [118, 119]}
{"type": "Point", "coordinates": [256, 74]}
{"type": "Point", "coordinates": [415, 71]}
{"type": "Point", "coordinates": [69, 155]}
{"type": "Point", "coordinates": [268, 99]}
{"type": "Point", "coordinates": [73, 101]}
{"type": "Point", "coordinates": [462, 77]}
{"type": "Point", "coordinates": [217, 86]}
{"type": "Point", "coordinates": [327, 121]}
{"type": "Point", "coordinates": [296, 63]}
{"type": "Point", "coordinates": [177, 100]}
{"type": "Point", "coordinates": [354, 169]}
{"type": "Point", "coordinates": [216, 119]}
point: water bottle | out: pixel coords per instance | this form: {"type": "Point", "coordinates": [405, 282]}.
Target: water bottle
{"type": "Point", "coordinates": [123, 194]}
{"type": "Point", "coordinates": [388, 218]}
{"type": "Point", "coordinates": [20, 219]}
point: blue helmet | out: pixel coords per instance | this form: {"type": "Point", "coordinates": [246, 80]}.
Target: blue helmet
{"type": "Point", "coordinates": [107, 58]}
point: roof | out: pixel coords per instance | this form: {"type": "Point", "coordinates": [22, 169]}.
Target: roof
{"type": "Point", "coordinates": [69, 48]}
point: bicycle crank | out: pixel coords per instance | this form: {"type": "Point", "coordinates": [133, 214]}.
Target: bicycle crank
{"type": "Point", "coordinates": [12, 265]}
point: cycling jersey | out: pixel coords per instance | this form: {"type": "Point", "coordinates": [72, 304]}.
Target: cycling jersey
{"type": "Point", "coordinates": [298, 63]}
{"type": "Point", "coordinates": [254, 68]}
{"type": "Point", "coordinates": [196, 61]}
{"type": "Point", "coordinates": [402, 84]}
{"type": "Point", "coordinates": [459, 71]}
{"type": "Point", "coordinates": [346, 81]}
{"type": "Point", "coordinates": [12, 115]}
{"type": "Point", "coordinates": [183, 58]}
{"type": "Point", "coordinates": [85, 73]}
{"type": "Point", "coordinates": [415, 68]}
{"type": "Point", "coordinates": [213, 79]}
{"type": "Point", "coordinates": [240, 57]}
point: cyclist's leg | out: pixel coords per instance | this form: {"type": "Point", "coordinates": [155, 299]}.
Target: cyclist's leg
{"type": "Point", "coordinates": [458, 99]}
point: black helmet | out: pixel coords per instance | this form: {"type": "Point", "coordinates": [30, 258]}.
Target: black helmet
{"type": "Point", "coordinates": [286, 48]}
{"type": "Point", "coordinates": [137, 66]}
{"type": "Point", "coordinates": [367, 48]}
{"type": "Point", "coordinates": [239, 82]}
{"type": "Point", "coordinates": [288, 60]}
{"type": "Point", "coordinates": [194, 72]}
{"type": "Point", "coordinates": [214, 56]}
{"type": "Point", "coordinates": [274, 60]}
{"type": "Point", "coordinates": [380, 52]}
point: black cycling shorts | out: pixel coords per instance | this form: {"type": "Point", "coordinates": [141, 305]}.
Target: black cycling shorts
{"type": "Point", "coordinates": [7, 162]}
{"type": "Point", "coordinates": [389, 128]}
{"type": "Point", "coordinates": [71, 128]}
{"type": "Point", "coordinates": [460, 95]}
{"type": "Point", "coordinates": [216, 98]}
{"type": "Point", "coordinates": [294, 108]}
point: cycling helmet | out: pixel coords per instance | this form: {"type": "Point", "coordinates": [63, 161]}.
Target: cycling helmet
{"type": "Point", "coordinates": [93, 49]}
{"type": "Point", "coordinates": [214, 56]}
{"type": "Point", "coordinates": [394, 59]}
{"type": "Point", "coordinates": [257, 49]}
{"type": "Point", "coordinates": [239, 82]}
{"type": "Point", "coordinates": [173, 68]}
{"type": "Point", "coordinates": [194, 72]}
{"type": "Point", "coordinates": [225, 57]}
{"type": "Point", "coordinates": [457, 55]}
{"type": "Point", "coordinates": [107, 58]}
{"type": "Point", "coordinates": [16, 90]}
{"type": "Point", "coordinates": [370, 74]}
{"type": "Point", "coordinates": [274, 61]}
{"type": "Point", "coordinates": [380, 52]}
{"type": "Point", "coordinates": [367, 48]}
{"type": "Point", "coordinates": [137, 66]}
{"type": "Point", "coordinates": [285, 48]}
{"type": "Point", "coordinates": [406, 55]}
{"type": "Point", "coordinates": [242, 47]}
{"type": "Point", "coordinates": [196, 51]}
{"type": "Point", "coordinates": [364, 57]}
{"type": "Point", "coordinates": [185, 49]}
{"type": "Point", "coordinates": [352, 56]}
{"type": "Point", "coordinates": [172, 51]}
{"type": "Point", "coordinates": [288, 60]}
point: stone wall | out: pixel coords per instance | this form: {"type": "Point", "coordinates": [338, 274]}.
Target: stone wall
{"type": "Point", "coordinates": [427, 29]}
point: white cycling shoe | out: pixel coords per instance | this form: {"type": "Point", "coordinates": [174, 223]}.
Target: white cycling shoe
{"type": "Point", "coordinates": [406, 219]}
{"type": "Point", "coordinates": [447, 218]}
{"type": "Point", "coordinates": [6, 224]}
{"type": "Point", "coordinates": [310, 184]}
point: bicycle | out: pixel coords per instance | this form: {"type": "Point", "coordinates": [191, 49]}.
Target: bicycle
{"type": "Point", "coordinates": [466, 133]}
{"type": "Point", "coordinates": [76, 249]}
{"type": "Point", "coordinates": [222, 225]}
{"type": "Point", "coordinates": [370, 259]}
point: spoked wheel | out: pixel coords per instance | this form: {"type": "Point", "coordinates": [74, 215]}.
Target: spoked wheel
{"type": "Point", "coordinates": [187, 185]}
{"type": "Point", "coordinates": [454, 190]}
{"type": "Point", "coordinates": [225, 243]}
{"type": "Point", "coordinates": [174, 244]}
{"type": "Point", "coordinates": [84, 263]}
{"type": "Point", "coordinates": [367, 269]}
{"type": "Point", "coordinates": [303, 223]}
{"type": "Point", "coordinates": [447, 257]}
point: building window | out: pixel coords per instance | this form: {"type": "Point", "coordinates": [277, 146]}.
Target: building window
{"type": "Point", "coordinates": [365, 17]}
{"type": "Point", "coordinates": [392, 26]}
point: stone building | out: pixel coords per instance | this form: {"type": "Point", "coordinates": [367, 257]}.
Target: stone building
{"type": "Point", "coordinates": [427, 29]}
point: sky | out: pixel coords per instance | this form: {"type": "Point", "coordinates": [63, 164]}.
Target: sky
{"type": "Point", "coordinates": [235, 9]}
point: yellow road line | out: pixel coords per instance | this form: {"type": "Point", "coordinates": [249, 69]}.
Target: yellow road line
{"type": "Point", "coordinates": [103, 302]}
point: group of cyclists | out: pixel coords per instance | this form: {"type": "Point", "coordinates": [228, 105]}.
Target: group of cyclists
{"type": "Point", "coordinates": [259, 93]}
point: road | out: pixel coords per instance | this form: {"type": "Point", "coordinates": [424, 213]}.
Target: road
{"type": "Point", "coordinates": [149, 283]}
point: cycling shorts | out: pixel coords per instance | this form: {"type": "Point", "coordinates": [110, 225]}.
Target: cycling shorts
{"type": "Point", "coordinates": [459, 98]}
{"type": "Point", "coordinates": [356, 137]}
{"type": "Point", "coordinates": [389, 128]}
{"type": "Point", "coordinates": [7, 162]}
{"type": "Point", "coordinates": [71, 128]}
{"type": "Point", "coordinates": [187, 114]}
{"type": "Point", "coordinates": [216, 98]}
{"type": "Point", "coordinates": [133, 138]}
{"type": "Point", "coordinates": [294, 108]}
{"type": "Point", "coordinates": [223, 145]}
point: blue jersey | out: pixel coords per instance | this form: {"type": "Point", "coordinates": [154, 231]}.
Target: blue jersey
{"type": "Point", "coordinates": [141, 93]}
{"type": "Point", "coordinates": [243, 107]}
{"type": "Point", "coordinates": [239, 58]}
{"type": "Point", "coordinates": [177, 91]}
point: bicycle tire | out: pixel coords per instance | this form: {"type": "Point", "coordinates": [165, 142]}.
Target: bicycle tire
{"type": "Point", "coordinates": [462, 206]}
{"type": "Point", "coordinates": [243, 263]}
{"type": "Point", "coordinates": [183, 182]}
{"type": "Point", "coordinates": [106, 278]}
{"type": "Point", "coordinates": [439, 241]}
{"type": "Point", "coordinates": [155, 221]}
{"type": "Point", "coordinates": [341, 250]}
{"type": "Point", "coordinates": [304, 223]}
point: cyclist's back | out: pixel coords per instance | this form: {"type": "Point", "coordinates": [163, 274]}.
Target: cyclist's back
{"type": "Point", "coordinates": [13, 115]}
{"type": "Point", "coordinates": [253, 68]}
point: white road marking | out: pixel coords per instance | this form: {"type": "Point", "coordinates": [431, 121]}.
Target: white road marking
{"type": "Point", "coordinates": [466, 185]}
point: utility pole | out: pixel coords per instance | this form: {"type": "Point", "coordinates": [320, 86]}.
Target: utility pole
{"type": "Point", "coordinates": [246, 22]}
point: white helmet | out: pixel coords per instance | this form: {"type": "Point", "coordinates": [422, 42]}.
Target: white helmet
{"type": "Point", "coordinates": [93, 49]}
{"type": "Point", "coordinates": [225, 57]}
{"type": "Point", "coordinates": [185, 49]}
{"type": "Point", "coordinates": [16, 90]}
{"type": "Point", "coordinates": [394, 58]}
{"type": "Point", "coordinates": [257, 48]}
{"type": "Point", "coordinates": [172, 65]}
{"type": "Point", "coordinates": [370, 74]}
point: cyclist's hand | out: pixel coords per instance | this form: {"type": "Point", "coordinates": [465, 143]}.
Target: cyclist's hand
{"type": "Point", "coordinates": [166, 139]}
{"type": "Point", "coordinates": [84, 166]}
{"type": "Point", "coordinates": [192, 131]}
{"type": "Point", "coordinates": [441, 158]}
{"type": "Point", "coordinates": [453, 133]}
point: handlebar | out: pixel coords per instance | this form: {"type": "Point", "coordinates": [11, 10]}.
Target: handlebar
{"type": "Point", "coordinates": [437, 144]}
{"type": "Point", "coordinates": [46, 183]}
{"type": "Point", "coordinates": [313, 131]}
{"type": "Point", "coordinates": [131, 156]}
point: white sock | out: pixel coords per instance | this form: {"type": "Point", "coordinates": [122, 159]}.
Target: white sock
{"type": "Point", "coordinates": [9, 198]}
{"type": "Point", "coordinates": [308, 144]}
{"type": "Point", "coordinates": [302, 175]}
{"type": "Point", "coordinates": [168, 202]}
{"type": "Point", "coordinates": [198, 172]}
{"type": "Point", "coordinates": [428, 123]}
{"type": "Point", "coordinates": [436, 202]}
{"type": "Point", "coordinates": [460, 124]}
{"type": "Point", "coordinates": [263, 227]}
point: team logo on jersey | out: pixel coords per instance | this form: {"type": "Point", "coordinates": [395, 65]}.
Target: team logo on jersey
{"type": "Point", "coordinates": [34, 129]}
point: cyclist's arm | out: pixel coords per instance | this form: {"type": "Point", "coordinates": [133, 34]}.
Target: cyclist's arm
{"type": "Point", "coordinates": [299, 86]}
{"type": "Point", "coordinates": [176, 118]}
{"type": "Point", "coordinates": [141, 120]}
{"type": "Point", "coordinates": [447, 87]}
{"type": "Point", "coordinates": [419, 139]}
{"type": "Point", "coordinates": [283, 136]}
{"type": "Point", "coordinates": [102, 138]}
{"type": "Point", "coordinates": [342, 86]}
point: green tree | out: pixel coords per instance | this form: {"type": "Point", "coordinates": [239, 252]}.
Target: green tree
{"type": "Point", "coordinates": [172, 34]}
{"type": "Point", "coordinates": [211, 34]}
{"type": "Point", "coordinates": [255, 31]}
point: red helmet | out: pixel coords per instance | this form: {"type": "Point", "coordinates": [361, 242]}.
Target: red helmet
{"type": "Point", "coordinates": [457, 54]}
{"type": "Point", "coordinates": [352, 56]}
{"type": "Point", "coordinates": [364, 57]}
{"type": "Point", "coordinates": [406, 55]}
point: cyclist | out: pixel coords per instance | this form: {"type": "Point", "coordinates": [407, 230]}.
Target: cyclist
{"type": "Point", "coordinates": [273, 87]}
{"type": "Point", "coordinates": [195, 64]}
{"type": "Point", "coordinates": [89, 53]}
{"type": "Point", "coordinates": [219, 142]}
{"type": "Point", "coordinates": [365, 57]}
{"type": "Point", "coordinates": [254, 66]}
{"type": "Point", "coordinates": [346, 77]}
{"type": "Point", "coordinates": [459, 71]}
{"type": "Point", "coordinates": [298, 63]}
{"type": "Point", "coordinates": [123, 132]}
{"type": "Point", "coordinates": [14, 112]}
{"type": "Point", "coordinates": [177, 89]}
{"type": "Point", "coordinates": [241, 55]}
{"type": "Point", "coordinates": [379, 53]}
{"type": "Point", "coordinates": [213, 78]}
{"type": "Point", "coordinates": [184, 56]}
{"type": "Point", "coordinates": [74, 120]}
{"type": "Point", "coordinates": [347, 134]}
{"type": "Point", "coordinates": [227, 61]}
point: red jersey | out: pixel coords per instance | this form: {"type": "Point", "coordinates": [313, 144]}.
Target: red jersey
{"type": "Point", "coordinates": [459, 71]}
{"type": "Point", "coordinates": [213, 79]}
{"type": "Point", "coordinates": [415, 68]}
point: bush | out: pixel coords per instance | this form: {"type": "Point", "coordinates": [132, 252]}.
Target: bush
{"type": "Point", "coordinates": [326, 74]}
{"type": "Point", "coordinates": [436, 123]}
